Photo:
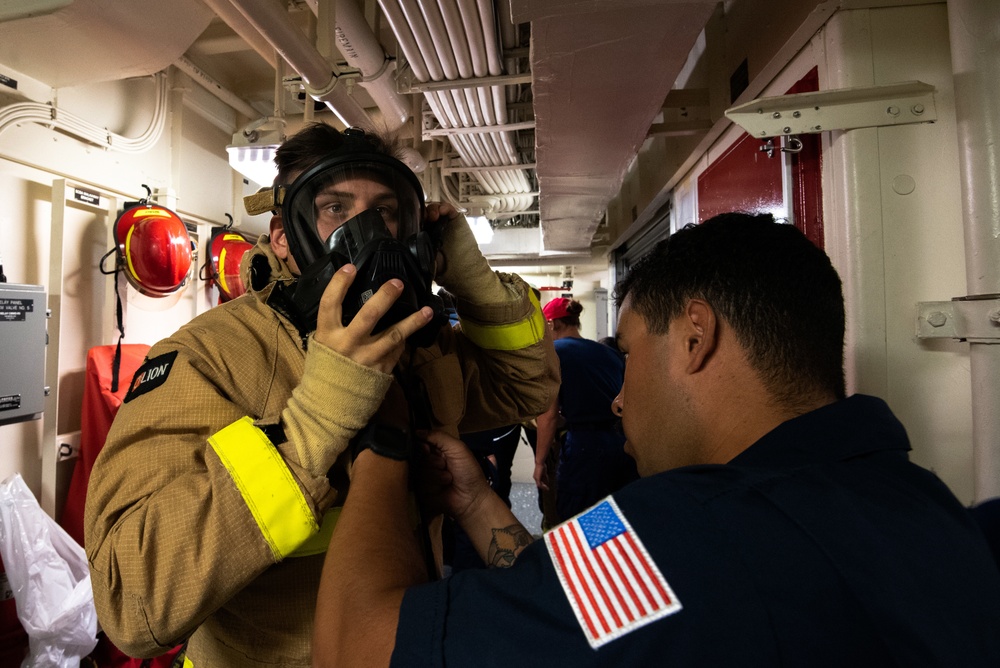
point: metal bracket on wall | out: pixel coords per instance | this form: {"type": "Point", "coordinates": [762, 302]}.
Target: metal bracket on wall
{"type": "Point", "coordinates": [973, 319]}
{"type": "Point", "coordinates": [840, 109]}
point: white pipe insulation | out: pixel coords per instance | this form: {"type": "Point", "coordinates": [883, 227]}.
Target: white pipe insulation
{"type": "Point", "coordinates": [271, 20]}
{"type": "Point", "coordinates": [232, 17]}
{"type": "Point", "coordinates": [975, 45]}
{"type": "Point", "coordinates": [362, 51]}
{"type": "Point", "coordinates": [215, 88]}
{"type": "Point", "coordinates": [455, 39]}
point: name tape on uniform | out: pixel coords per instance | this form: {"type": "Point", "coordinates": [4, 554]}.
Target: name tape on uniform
{"type": "Point", "coordinates": [150, 375]}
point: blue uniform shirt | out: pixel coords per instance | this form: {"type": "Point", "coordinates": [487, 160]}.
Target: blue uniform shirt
{"type": "Point", "coordinates": [592, 376]}
{"type": "Point", "coordinates": [820, 545]}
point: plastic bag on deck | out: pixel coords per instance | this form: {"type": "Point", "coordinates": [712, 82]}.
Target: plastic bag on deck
{"type": "Point", "coordinates": [48, 572]}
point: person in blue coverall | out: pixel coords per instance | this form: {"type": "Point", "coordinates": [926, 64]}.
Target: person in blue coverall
{"type": "Point", "coordinates": [592, 459]}
{"type": "Point", "coordinates": [778, 521]}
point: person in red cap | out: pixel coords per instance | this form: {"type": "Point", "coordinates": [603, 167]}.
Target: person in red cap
{"type": "Point", "coordinates": [592, 458]}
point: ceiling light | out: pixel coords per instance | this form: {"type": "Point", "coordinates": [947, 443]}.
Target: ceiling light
{"type": "Point", "coordinates": [481, 229]}
{"type": "Point", "coordinates": [252, 151]}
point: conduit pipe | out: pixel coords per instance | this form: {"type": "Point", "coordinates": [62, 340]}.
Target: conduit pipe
{"type": "Point", "coordinates": [975, 45]}
{"type": "Point", "coordinates": [52, 117]}
{"type": "Point", "coordinates": [273, 23]}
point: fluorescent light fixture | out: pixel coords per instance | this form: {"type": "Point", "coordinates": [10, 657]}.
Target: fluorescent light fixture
{"type": "Point", "coordinates": [252, 151]}
{"type": "Point", "coordinates": [481, 229]}
{"type": "Point", "coordinates": [254, 162]}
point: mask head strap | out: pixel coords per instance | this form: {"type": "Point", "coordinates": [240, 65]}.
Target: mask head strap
{"type": "Point", "coordinates": [266, 199]}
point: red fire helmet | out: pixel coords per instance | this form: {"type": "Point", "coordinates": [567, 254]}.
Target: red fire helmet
{"type": "Point", "coordinates": [154, 249]}
{"type": "Point", "coordinates": [227, 249]}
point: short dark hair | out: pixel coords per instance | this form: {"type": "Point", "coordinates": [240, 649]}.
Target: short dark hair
{"type": "Point", "coordinates": [775, 288]}
{"type": "Point", "coordinates": [317, 141]}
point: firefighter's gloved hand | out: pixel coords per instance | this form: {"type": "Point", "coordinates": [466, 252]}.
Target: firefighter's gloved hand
{"type": "Point", "coordinates": [463, 270]}
{"type": "Point", "coordinates": [384, 440]}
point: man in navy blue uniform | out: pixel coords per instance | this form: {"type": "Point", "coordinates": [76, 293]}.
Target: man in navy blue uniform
{"type": "Point", "coordinates": [777, 522]}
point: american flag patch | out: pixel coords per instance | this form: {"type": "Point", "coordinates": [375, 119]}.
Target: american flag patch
{"type": "Point", "coordinates": [611, 582]}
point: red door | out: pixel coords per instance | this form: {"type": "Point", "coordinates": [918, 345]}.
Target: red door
{"type": "Point", "coordinates": [744, 178]}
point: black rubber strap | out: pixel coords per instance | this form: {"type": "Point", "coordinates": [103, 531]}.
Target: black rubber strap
{"type": "Point", "coordinates": [117, 363]}
{"type": "Point", "coordinates": [383, 440]}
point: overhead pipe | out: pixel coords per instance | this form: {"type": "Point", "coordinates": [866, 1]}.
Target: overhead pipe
{"type": "Point", "coordinates": [362, 51]}
{"type": "Point", "coordinates": [451, 39]}
{"type": "Point", "coordinates": [215, 88]}
{"type": "Point", "coordinates": [271, 20]}
{"type": "Point", "coordinates": [460, 42]}
{"type": "Point", "coordinates": [232, 17]}
{"type": "Point", "coordinates": [441, 39]}
{"type": "Point", "coordinates": [490, 37]}
{"type": "Point", "coordinates": [474, 30]}
{"type": "Point", "coordinates": [407, 41]}
{"type": "Point", "coordinates": [413, 20]}
{"type": "Point", "coordinates": [975, 45]}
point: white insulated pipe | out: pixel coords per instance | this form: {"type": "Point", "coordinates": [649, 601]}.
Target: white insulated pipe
{"type": "Point", "coordinates": [440, 39]}
{"type": "Point", "coordinates": [974, 27]}
{"type": "Point", "coordinates": [490, 37]}
{"type": "Point", "coordinates": [407, 41]}
{"type": "Point", "coordinates": [452, 39]}
{"type": "Point", "coordinates": [362, 51]}
{"type": "Point", "coordinates": [474, 30]}
{"type": "Point", "coordinates": [232, 17]}
{"type": "Point", "coordinates": [271, 20]}
{"type": "Point", "coordinates": [414, 22]}
{"type": "Point", "coordinates": [215, 88]}
{"type": "Point", "coordinates": [456, 30]}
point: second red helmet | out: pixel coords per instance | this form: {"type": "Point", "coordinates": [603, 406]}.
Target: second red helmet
{"type": "Point", "coordinates": [227, 249]}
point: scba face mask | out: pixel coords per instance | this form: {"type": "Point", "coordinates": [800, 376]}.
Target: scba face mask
{"type": "Point", "coordinates": [366, 209]}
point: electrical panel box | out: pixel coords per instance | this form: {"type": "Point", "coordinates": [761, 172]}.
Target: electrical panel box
{"type": "Point", "coordinates": [22, 351]}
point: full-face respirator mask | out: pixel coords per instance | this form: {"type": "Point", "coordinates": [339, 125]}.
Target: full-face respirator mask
{"type": "Point", "coordinates": [367, 209]}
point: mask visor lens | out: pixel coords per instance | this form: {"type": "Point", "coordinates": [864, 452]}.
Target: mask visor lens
{"type": "Point", "coordinates": [331, 197]}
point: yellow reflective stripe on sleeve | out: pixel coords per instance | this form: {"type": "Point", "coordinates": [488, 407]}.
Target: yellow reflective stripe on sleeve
{"type": "Point", "coordinates": [318, 543]}
{"type": "Point", "coordinates": [513, 336]}
{"type": "Point", "coordinates": [268, 487]}
{"type": "Point", "coordinates": [188, 663]}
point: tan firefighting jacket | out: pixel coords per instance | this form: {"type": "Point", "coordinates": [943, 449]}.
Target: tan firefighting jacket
{"type": "Point", "coordinates": [203, 522]}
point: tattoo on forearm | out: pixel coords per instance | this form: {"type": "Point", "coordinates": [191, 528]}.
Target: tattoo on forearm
{"type": "Point", "coordinates": [507, 543]}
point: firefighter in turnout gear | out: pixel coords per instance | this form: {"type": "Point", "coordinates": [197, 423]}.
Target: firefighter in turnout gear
{"type": "Point", "coordinates": [215, 496]}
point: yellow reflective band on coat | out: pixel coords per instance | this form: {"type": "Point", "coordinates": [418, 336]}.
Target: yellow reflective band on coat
{"type": "Point", "coordinates": [268, 487]}
{"type": "Point", "coordinates": [513, 336]}
{"type": "Point", "coordinates": [318, 543]}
